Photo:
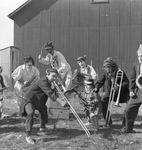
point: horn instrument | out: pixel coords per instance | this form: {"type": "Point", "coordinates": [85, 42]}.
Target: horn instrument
{"type": "Point", "coordinates": [118, 82]}
{"type": "Point", "coordinates": [72, 109]}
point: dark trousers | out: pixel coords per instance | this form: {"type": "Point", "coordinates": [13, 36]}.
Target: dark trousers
{"type": "Point", "coordinates": [30, 109]}
{"type": "Point", "coordinates": [131, 112]}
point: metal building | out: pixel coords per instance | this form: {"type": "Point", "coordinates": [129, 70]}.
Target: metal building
{"type": "Point", "coordinates": [97, 28]}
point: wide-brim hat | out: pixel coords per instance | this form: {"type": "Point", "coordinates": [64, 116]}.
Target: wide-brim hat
{"type": "Point", "coordinates": [81, 58]}
{"type": "Point", "coordinates": [51, 70]}
{"type": "Point", "coordinates": [89, 81]}
{"type": "Point", "coordinates": [139, 51]}
{"type": "Point", "coordinates": [48, 45]}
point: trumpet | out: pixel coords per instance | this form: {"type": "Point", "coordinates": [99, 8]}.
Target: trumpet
{"type": "Point", "coordinates": [118, 82]}
{"type": "Point", "coordinates": [72, 109]}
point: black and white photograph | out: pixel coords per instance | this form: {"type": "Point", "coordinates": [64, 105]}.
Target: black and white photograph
{"type": "Point", "coordinates": [71, 75]}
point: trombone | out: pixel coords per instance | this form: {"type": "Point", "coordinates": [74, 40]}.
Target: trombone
{"type": "Point", "coordinates": [72, 109]}
{"type": "Point", "coordinates": [118, 82]}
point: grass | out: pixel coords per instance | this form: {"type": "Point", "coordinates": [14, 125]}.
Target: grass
{"type": "Point", "coordinates": [68, 134]}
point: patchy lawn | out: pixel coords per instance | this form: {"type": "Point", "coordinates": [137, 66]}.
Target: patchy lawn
{"type": "Point", "coordinates": [68, 134]}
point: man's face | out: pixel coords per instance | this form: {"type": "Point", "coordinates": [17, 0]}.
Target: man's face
{"type": "Point", "coordinates": [49, 50]}
{"type": "Point", "coordinates": [110, 71]}
{"type": "Point", "coordinates": [29, 65]}
{"type": "Point", "coordinates": [88, 87]}
{"type": "Point", "coordinates": [140, 57]}
{"type": "Point", "coordinates": [52, 76]}
{"type": "Point", "coordinates": [81, 63]}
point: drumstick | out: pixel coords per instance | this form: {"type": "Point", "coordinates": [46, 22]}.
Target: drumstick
{"type": "Point", "coordinates": [41, 51]}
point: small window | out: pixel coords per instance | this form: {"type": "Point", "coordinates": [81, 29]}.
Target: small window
{"type": "Point", "coordinates": [99, 1]}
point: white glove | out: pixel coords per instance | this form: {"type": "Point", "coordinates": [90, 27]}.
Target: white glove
{"type": "Point", "coordinates": [39, 57]}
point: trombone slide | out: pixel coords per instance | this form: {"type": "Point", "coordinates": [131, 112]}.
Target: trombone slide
{"type": "Point", "coordinates": [72, 109]}
{"type": "Point", "coordinates": [119, 75]}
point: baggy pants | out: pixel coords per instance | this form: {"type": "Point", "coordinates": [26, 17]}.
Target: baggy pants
{"type": "Point", "coordinates": [131, 112]}
{"type": "Point", "coordinates": [30, 109]}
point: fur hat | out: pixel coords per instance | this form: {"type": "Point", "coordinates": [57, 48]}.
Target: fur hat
{"type": "Point", "coordinates": [48, 45]}
{"type": "Point", "coordinates": [139, 49]}
{"type": "Point", "coordinates": [110, 63]}
{"type": "Point", "coordinates": [82, 58]}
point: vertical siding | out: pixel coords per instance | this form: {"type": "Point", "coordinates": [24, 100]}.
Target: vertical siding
{"type": "Point", "coordinates": [93, 45]}
{"type": "Point", "coordinates": [74, 35]}
{"type": "Point", "coordinates": [114, 43]}
{"type": "Point", "coordinates": [78, 27]}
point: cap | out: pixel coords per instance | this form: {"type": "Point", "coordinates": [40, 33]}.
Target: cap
{"type": "Point", "coordinates": [48, 45]}
{"type": "Point", "coordinates": [82, 58]}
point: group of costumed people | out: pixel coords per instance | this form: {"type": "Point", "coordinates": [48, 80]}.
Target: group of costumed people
{"type": "Point", "coordinates": [84, 85]}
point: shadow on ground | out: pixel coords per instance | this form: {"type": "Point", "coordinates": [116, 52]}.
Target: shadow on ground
{"type": "Point", "coordinates": [74, 129]}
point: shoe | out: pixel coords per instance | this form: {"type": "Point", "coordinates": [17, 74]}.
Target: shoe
{"type": "Point", "coordinates": [124, 130]}
{"type": "Point", "coordinates": [42, 129]}
{"type": "Point", "coordinates": [30, 140]}
{"type": "Point", "coordinates": [4, 116]}
{"type": "Point", "coordinates": [87, 124]}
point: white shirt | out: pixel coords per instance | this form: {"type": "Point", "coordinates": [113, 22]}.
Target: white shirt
{"type": "Point", "coordinates": [60, 63]}
{"type": "Point", "coordinates": [22, 73]}
{"type": "Point", "coordinates": [91, 72]}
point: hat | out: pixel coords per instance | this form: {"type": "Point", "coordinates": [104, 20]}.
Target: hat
{"type": "Point", "coordinates": [109, 63]}
{"type": "Point", "coordinates": [82, 58]}
{"type": "Point", "coordinates": [48, 45]}
{"type": "Point", "coordinates": [139, 49]}
{"type": "Point", "coordinates": [89, 81]}
{"type": "Point", "coordinates": [51, 70]}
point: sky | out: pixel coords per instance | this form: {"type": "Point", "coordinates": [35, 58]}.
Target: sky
{"type": "Point", "coordinates": [7, 24]}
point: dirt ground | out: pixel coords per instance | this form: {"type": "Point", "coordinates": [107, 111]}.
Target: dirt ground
{"type": "Point", "coordinates": [68, 134]}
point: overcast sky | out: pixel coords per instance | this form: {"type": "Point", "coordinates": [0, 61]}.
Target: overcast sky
{"type": "Point", "coordinates": [6, 24]}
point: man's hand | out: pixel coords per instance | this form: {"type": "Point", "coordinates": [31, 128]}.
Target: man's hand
{"type": "Point", "coordinates": [116, 87]}
{"type": "Point", "coordinates": [40, 57]}
{"type": "Point", "coordinates": [132, 94]}
{"type": "Point", "coordinates": [25, 82]}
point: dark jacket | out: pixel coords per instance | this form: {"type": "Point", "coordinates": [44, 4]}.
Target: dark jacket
{"type": "Point", "coordinates": [135, 72]}
{"type": "Point", "coordinates": [38, 94]}
{"type": "Point", "coordinates": [105, 81]}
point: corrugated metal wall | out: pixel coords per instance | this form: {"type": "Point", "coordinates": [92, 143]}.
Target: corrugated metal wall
{"type": "Point", "coordinates": [78, 27]}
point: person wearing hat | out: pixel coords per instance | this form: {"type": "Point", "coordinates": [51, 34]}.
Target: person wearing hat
{"type": "Point", "coordinates": [135, 101]}
{"type": "Point", "coordinates": [86, 69]}
{"type": "Point", "coordinates": [57, 61]}
{"type": "Point", "coordinates": [36, 97]}
{"type": "Point", "coordinates": [108, 77]}
{"type": "Point", "coordinates": [91, 102]}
